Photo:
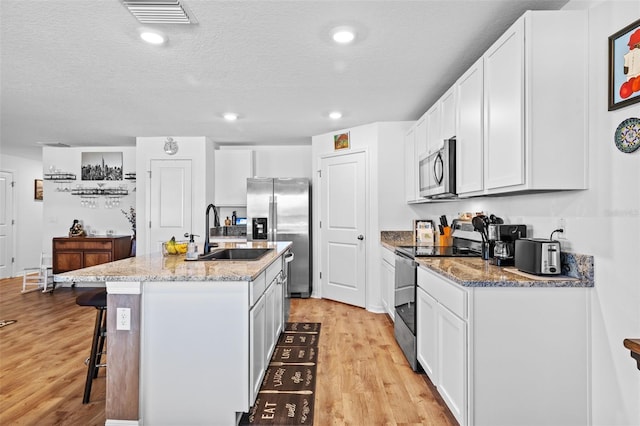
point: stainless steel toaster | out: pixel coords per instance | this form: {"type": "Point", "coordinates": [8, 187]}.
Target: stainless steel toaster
{"type": "Point", "coordinates": [538, 256]}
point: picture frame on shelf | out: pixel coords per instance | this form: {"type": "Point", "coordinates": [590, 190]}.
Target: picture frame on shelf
{"type": "Point", "coordinates": [424, 232]}
{"type": "Point", "coordinates": [624, 67]}
{"type": "Point", "coordinates": [38, 190]}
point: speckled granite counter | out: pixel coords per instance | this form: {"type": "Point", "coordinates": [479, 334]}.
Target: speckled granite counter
{"type": "Point", "coordinates": [474, 272]}
{"type": "Point", "coordinates": [155, 267]}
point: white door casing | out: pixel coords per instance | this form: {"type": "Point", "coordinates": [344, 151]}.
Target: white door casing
{"type": "Point", "coordinates": [170, 206]}
{"type": "Point", "coordinates": [6, 224]}
{"type": "Point", "coordinates": [343, 219]}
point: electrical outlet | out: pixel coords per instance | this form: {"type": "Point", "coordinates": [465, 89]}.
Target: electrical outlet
{"type": "Point", "coordinates": [562, 224]}
{"type": "Point", "coordinates": [123, 320]}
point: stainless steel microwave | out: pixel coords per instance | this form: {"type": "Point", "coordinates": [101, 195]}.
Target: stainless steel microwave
{"type": "Point", "coordinates": [437, 172]}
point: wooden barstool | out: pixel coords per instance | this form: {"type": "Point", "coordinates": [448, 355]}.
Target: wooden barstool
{"type": "Point", "coordinates": [98, 299]}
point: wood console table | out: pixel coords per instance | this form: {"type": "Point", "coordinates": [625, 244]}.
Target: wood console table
{"type": "Point", "coordinates": [634, 346]}
{"type": "Point", "coordinates": [71, 253]}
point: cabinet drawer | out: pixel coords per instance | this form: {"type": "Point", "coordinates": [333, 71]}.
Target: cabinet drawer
{"type": "Point", "coordinates": [81, 244]}
{"type": "Point", "coordinates": [256, 288]}
{"type": "Point", "coordinates": [388, 256]}
{"type": "Point", "coordinates": [273, 270]}
{"type": "Point", "coordinates": [446, 293]}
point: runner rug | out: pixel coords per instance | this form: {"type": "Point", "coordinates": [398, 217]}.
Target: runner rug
{"type": "Point", "coordinates": [287, 393]}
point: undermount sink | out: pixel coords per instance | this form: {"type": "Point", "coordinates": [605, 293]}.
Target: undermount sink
{"type": "Point", "coordinates": [235, 254]}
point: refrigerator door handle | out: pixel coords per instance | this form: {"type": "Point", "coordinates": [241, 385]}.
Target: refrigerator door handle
{"type": "Point", "coordinates": [274, 222]}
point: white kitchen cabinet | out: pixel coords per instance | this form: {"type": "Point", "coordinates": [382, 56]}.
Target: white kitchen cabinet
{"type": "Point", "coordinates": [535, 105]}
{"type": "Point", "coordinates": [266, 322]}
{"type": "Point", "coordinates": [421, 137]}
{"type": "Point", "coordinates": [452, 361]}
{"type": "Point", "coordinates": [441, 331]}
{"type": "Point", "coordinates": [232, 168]}
{"type": "Point", "coordinates": [434, 127]}
{"type": "Point", "coordinates": [448, 106]}
{"type": "Point", "coordinates": [469, 146]}
{"type": "Point", "coordinates": [479, 345]}
{"type": "Point", "coordinates": [387, 284]}
{"type": "Point", "coordinates": [257, 341]}
{"type": "Point", "coordinates": [410, 166]}
{"type": "Point", "coordinates": [427, 333]}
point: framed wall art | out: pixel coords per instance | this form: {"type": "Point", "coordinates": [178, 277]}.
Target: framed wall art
{"type": "Point", "coordinates": [38, 190]}
{"type": "Point", "coordinates": [102, 166]}
{"type": "Point", "coordinates": [341, 141]}
{"type": "Point", "coordinates": [624, 66]}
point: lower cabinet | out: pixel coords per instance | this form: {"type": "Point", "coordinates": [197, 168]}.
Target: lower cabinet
{"type": "Point", "coordinates": [442, 339]}
{"type": "Point", "coordinates": [257, 339]}
{"type": "Point", "coordinates": [505, 355]}
{"type": "Point", "coordinates": [266, 321]}
{"type": "Point", "coordinates": [387, 281]}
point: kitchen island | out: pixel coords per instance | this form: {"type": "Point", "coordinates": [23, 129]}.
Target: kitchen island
{"type": "Point", "coordinates": [188, 342]}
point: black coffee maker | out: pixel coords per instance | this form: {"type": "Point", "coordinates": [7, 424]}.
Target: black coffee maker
{"type": "Point", "coordinates": [502, 238]}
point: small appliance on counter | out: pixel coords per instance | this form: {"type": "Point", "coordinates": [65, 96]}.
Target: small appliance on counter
{"type": "Point", "coordinates": [502, 240]}
{"type": "Point", "coordinates": [538, 256]}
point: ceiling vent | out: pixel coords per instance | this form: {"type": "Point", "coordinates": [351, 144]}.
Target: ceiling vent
{"type": "Point", "coordinates": [159, 11]}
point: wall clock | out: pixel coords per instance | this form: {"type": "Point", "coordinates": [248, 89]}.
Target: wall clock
{"type": "Point", "coordinates": [170, 146]}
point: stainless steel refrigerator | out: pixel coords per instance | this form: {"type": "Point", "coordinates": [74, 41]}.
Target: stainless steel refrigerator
{"type": "Point", "coordinates": [279, 209]}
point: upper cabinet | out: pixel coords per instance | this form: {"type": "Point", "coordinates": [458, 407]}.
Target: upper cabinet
{"type": "Point", "coordinates": [233, 167]}
{"type": "Point", "coordinates": [535, 92]}
{"type": "Point", "coordinates": [410, 166]}
{"type": "Point", "coordinates": [519, 113]}
{"type": "Point", "coordinates": [469, 148]}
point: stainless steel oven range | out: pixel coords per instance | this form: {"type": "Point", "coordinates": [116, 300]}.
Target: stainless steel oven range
{"type": "Point", "coordinates": [466, 243]}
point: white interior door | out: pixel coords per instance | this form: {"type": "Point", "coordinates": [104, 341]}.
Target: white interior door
{"type": "Point", "coordinates": [343, 216]}
{"type": "Point", "coordinates": [6, 226]}
{"type": "Point", "coordinates": [169, 201]}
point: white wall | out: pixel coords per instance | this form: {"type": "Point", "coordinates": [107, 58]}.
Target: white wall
{"type": "Point", "coordinates": [61, 207]}
{"type": "Point", "coordinates": [386, 207]}
{"type": "Point", "coordinates": [27, 211]}
{"type": "Point", "coordinates": [603, 221]}
{"type": "Point", "coordinates": [200, 150]}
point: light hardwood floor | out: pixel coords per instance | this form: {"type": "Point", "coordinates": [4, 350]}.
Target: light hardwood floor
{"type": "Point", "coordinates": [363, 378]}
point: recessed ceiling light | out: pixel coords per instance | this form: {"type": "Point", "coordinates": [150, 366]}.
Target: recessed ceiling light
{"type": "Point", "coordinates": [153, 37]}
{"type": "Point", "coordinates": [343, 35]}
{"type": "Point", "coordinates": [335, 115]}
{"type": "Point", "coordinates": [230, 116]}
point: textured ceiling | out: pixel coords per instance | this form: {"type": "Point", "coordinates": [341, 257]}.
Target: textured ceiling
{"type": "Point", "coordinates": [76, 72]}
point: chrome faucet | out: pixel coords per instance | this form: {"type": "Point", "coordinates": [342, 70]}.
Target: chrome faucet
{"type": "Point", "coordinates": [216, 222]}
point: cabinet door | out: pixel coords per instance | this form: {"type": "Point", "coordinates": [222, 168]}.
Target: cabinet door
{"type": "Point", "coordinates": [387, 277]}
{"type": "Point", "coordinates": [279, 310]}
{"type": "Point", "coordinates": [448, 114]}
{"type": "Point", "coordinates": [96, 258]}
{"type": "Point", "coordinates": [452, 362]}
{"type": "Point", "coordinates": [410, 166]}
{"type": "Point", "coordinates": [67, 261]}
{"type": "Point", "coordinates": [233, 167]}
{"type": "Point", "coordinates": [469, 148]}
{"type": "Point", "coordinates": [504, 110]}
{"type": "Point", "coordinates": [421, 137]}
{"type": "Point", "coordinates": [270, 319]}
{"type": "Point", "coordinates": [427, 333]}
{"type": "Point", "coordinates": [257, 363]}
{"type": "Point", "coordinates": [434, 128]}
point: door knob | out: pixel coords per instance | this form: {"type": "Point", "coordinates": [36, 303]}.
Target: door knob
{"type": "Point", "coordinates": [361, 237]}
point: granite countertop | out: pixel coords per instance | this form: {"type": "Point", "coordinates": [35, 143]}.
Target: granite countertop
{"type": "Point", "coordinates": [155, 267]}
{"type": "Point", "coordinates": [474, 272]}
